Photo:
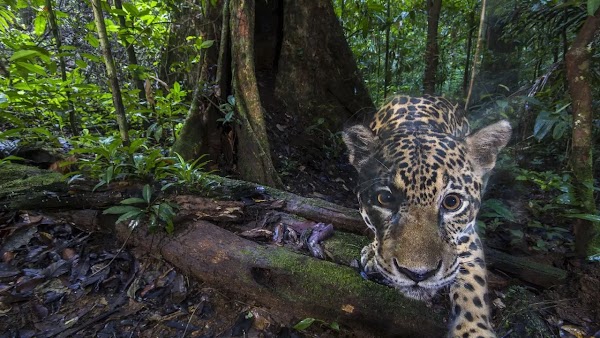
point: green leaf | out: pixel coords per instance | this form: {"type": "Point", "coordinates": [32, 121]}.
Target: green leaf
{"type": "Point", "coordinates": [81, 63]}
{"type": "Point", "coordinates": [91, 57]}
{"type": "Point", "coordinates": [130, 215]}
{"type": "Point", "coordinates": [92, 40]}
{"type": "Point", "coordinates": [231, 100]}
{"type": "Point", "coordinates": [499, 209]}
{"type": "Point", "coordinates": [133, 200]}
{"type": "Point", "coordinates": [587, 217]}
{"type": "Point", "coordinates": [120, 209]}
{"type": "Point", "coordinates": [592, 6]}
{"type": "Point", "coordinates": [335, 326]}
{"type": "Point", "coordinates": [166, 212]}
{"type": "Point", "coordinates": [147, 193]}
{"type": "Point", "coordinates": [39, 24]}
{"type": "Point", "coordinates": [207, 44]}
{"type": "Point", "coordinates": [543, 124]}
{"type": "Point", "coordinates": [32, 68]}
{"type": "Point", "coordinates": [131, 9]}
{"type": "Point", "coordinates": [24, 53]}
{"type": "Point", "coordinates": [304, 324]}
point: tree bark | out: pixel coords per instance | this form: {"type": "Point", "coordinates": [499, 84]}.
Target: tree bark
{"type": "Point", "coordinates": [316, 73]}
{"type": "Point", "coordinates": [477, 56]}
{"type": "Point", "coordinates": [387, 71]}
{"type": "Point", "coordinates": [432, 57]}
{"type": "Point", "coordinates": [578, 59]}
{"type": "Point", "coordinates": [63, 68]}
{"type": "Point", "coordinates": [286, 281]}
{"type": "Point", "coordinates": [201, 133]}
{"type": "Point", "coordinates": [469, 47]}
{"type": "Point", "coordinates": [30, 188]}
{"type": "Point", "coordinates": [111, 71]}
{"type": "Point", "coordinates": [131, 56]}
{"type": "Point", "coordinates": [254, 152]}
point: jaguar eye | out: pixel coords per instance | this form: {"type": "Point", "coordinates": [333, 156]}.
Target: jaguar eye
{"type": "Point", "coordinates": [452, 202]}
{"type": "Point", "coordinates": [385, 198]}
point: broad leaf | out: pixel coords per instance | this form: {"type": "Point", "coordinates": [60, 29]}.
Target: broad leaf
{"type": "Point", "coordinates": [304, 324]}
{"type": "Point", "coordinates": [130, 215]}
{"type": "Point", "coordinates": [40, 23]}
{"type": "Point", "coordinates": [147, 193]}
{"type": "Point", "coordinates": [120, 209]}
{"type": "Point", "coordinates": [133, 200]}
{"type": "Point", "coordinates": [24, 53]}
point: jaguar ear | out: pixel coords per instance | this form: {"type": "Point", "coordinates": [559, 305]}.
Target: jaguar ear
{"type": "Point", "coordinates": [485, 144]}
{"type": "Point", "coordinates": [361, 143]}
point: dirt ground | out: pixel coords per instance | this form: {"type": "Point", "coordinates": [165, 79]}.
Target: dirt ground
{"type": "Point", "coordinates": [58, 281]}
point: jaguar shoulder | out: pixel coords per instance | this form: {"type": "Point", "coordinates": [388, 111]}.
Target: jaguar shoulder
{"type": "Point", "coordinates": [421, 176]}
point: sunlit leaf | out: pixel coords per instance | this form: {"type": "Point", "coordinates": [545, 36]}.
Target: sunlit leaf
{"type": "Point", "coordinates": [32, 68]}
{"type": "Point", "coordinates": [39, 24]}
{"type": "Point", "coordinates": [24, 53]}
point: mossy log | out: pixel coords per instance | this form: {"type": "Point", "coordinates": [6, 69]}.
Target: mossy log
{"type": "Point", "coordinates": [273, 276]}
{"type": "Point", "coordinates": [290, 282]}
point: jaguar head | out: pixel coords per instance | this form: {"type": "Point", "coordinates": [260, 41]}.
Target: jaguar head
{"type": "Point", "coordinates": [420, 192]}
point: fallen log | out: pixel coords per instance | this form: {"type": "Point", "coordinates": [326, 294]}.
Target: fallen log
{"type": "Point", "coordinates": [289, 282]}
{"type": "Point", "coordinates": [31, 188]}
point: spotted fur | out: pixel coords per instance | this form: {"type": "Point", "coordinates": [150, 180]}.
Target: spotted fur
{"type": "Point", "coordinates": [421, 174]}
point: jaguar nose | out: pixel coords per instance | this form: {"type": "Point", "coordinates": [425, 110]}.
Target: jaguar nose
{"type": "Point", "coordinates": [417, 275]}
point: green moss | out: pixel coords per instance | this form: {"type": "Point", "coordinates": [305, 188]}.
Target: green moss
{"type": "Point", "coordinates": [19, 178]}
{"type": "Point", "coordinates": [343, 247]}
{"type": "Point", "coordinates": [324, 281]}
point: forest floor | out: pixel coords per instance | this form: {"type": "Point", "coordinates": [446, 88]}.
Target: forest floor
{"type": "Point", "coordinates": [56, 280]}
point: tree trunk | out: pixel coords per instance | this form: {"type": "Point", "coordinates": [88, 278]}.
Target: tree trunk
{"type": "Point", "coordinates": [478, 51]}
{"type": "Point", "coordinates": [432, 57]}
{"type": "Point", "coordinates": [316, 74]}
{"type": "Point", "coordinates": [254, 152]}
{"type": "Point", "coordinates": [294, 62]}
{"type": "Point", "coordinates": [498, 71]}
{"type": "Point", "coordinates": [387, 70]}
{"type": "Point", "coordinates": [201, 132]}
{"type": "Point", "coordinates": [131, 56]}
{"type": "Point", "coordinates": [578, 59]}
{"type": "Point", "coordinates": [63, 68]}
{"type": "Point", "coordinates": [29, 187]}
{"type": "Point", "coordinates": [469, 47]}
{"type": "Point", "coordinates": [286, 281]}
{"type": "Point", "coordinates": [111, 71]}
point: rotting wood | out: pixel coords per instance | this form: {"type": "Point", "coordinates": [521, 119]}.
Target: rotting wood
{"type": "Point", "coordinates": [30, 188]}
{"type": "Point", "coordinates": [286, 281]}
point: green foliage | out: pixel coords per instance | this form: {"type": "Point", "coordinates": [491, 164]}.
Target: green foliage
{"type": "Point", "coordinates": [148, 207]}
{"type": "Point", "coordinates": [332, 142]}
{"type": "Point", "coordinates": [558, 121]}
{"type": "Point", "coordinates": [227, 109]}
{"type": "Point", "coordinates": [305, 323]}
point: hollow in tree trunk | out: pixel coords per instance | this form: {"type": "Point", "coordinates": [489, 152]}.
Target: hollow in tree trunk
{"type": "Point", "coordinates": [279, 59]}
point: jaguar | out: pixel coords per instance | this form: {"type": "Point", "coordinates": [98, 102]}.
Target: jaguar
{"type": "Point", "coordinates": [421, 173]}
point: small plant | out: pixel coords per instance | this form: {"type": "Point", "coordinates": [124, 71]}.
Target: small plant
{"type": "Point", "coordinates": [493, 213]}
{"type": "Point", "coordinates": [186, 173]}
{"type": "Point", "coordinates": [228, 110]}
{"type": "Point", "coordinates": [307, 322]}
{"type": "Point", "coordinates": [137, 209]}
